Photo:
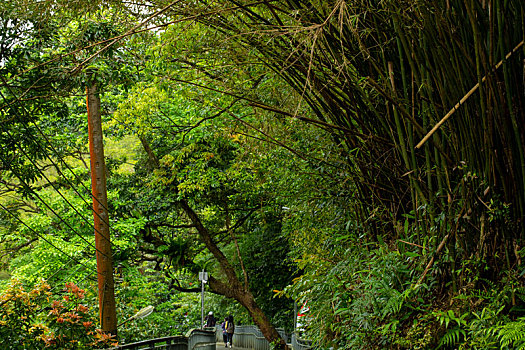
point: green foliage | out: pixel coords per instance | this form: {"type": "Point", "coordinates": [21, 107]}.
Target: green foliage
{"type": "Point", "coordinates": [452, 337]}
{"type": "Point", "coordinates": [512, 334]}
{"type": "Point", "coordinates": [265, 253]}
{"type": "Point", "coordinates": [174, 314]}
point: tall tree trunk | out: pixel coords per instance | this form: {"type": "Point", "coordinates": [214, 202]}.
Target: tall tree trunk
{"type": "Point", "coordinates": [233, 288]}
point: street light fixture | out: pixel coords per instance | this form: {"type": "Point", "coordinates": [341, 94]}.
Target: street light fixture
{"type": "Point", "coordinates": [144, 312]}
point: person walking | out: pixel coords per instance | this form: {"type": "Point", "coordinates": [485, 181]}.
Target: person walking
{"type": "Point", "coordinates": [224, 334]}
{"type": "Point", "coordinates": [210, 320]}
{"type": "Point", "coordinates": [230, 329]}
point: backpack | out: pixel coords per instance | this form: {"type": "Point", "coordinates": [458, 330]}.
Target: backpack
{"type": "Point", "coordinates": [230, 327]}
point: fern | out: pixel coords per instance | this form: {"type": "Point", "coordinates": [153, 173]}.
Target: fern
{"type": "Point", "coordinates": [513, 333]}
{"type": "Point", "coordinates": [394, 303]}
{"type": "Point", "coordinates": [452, 337]}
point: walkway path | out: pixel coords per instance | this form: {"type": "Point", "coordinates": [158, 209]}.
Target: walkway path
{"type": "Point", "coordinates": [222, 346]}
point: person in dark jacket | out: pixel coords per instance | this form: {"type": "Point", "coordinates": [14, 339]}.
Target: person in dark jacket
{"type": "Point", "coordinates": [224, 334]}
{"type": "Point", "coordinates": [210, 320]}
{"type": "Point", "coordinates": [230, 329]}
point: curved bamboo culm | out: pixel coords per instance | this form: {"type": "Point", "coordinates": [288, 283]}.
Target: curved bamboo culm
{"type": "Point", "coordinates": [464, 99]}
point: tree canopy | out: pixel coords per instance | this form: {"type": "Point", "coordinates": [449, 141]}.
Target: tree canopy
{"type": "Point", "coordinates": [363, 158]}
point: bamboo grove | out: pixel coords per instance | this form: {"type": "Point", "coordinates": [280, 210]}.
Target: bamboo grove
{"type": "Point", "coordinates": [380, 75]}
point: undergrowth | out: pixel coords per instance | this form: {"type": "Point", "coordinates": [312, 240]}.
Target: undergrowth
{"type": "Point", "coordinates": [375, 302]}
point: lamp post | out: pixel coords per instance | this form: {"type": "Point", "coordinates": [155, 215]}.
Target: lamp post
{"type": "Point", "coordinates": [295, 316]}
{"type": "Point", "coordinates": [203, 277]}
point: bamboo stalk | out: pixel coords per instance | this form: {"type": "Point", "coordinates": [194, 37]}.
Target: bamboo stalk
{"type": "Point", "coordinates": [431, 262]}
{"type": "Point", "coordinates": [463, 99]}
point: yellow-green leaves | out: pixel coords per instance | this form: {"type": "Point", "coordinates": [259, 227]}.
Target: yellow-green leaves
{"type": "Point", "coordinates": [139, 111]}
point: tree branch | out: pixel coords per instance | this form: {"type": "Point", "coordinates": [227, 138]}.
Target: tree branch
{"type": "Point", "coordinates": [234, 238]}
{"type": "Point", "coordinates": [212, 246]}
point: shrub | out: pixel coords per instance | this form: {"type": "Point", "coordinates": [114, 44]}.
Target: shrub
{"type": "Point", "coordinates": [39, 318]}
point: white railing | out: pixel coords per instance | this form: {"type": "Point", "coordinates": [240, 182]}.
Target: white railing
{"type": "Point", "coordinates": [195, 339]}
{"type": "Point", "coordinates": [251, 337]}
{"type": "Point", "coordinates": [299, 343]}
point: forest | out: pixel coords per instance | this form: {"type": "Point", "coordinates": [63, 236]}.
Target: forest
{"type": "Point", "coordinates": [359, 159]}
